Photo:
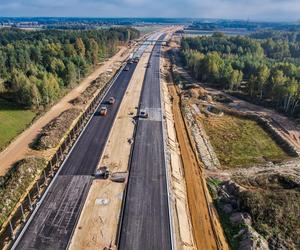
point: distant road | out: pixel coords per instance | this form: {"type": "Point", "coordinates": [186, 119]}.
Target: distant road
{"type": "Point", "coordinates": [146, 224]}
{"type": "Point", "coordinates": [52, 225]}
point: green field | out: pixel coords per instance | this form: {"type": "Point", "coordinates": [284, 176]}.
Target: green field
{"type": "Point", "coordinates": [241, 142]}
{"type": "Point", "coordinates": [13, 120]}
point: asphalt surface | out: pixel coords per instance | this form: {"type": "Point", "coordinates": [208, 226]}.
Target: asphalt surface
{"type": "Point", "coordinates": [55, 220]}
{"type": "Point", "coordinates": [146, 222]}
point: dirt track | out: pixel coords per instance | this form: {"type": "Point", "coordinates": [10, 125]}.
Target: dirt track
{"type": "Point", "coordinates": [208, 233]}
{"type": "Point", "coordinates": [19, 148]}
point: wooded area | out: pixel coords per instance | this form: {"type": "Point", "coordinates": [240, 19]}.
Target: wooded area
{"type": "Point", "coordinates": [36, 66]}
{"type": "Point", "coordinates": [263, 68]}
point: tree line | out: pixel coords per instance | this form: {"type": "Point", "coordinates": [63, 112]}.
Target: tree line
{"type": "Point", "coordinates": [246, 65]}
{"type": "Point", "coordinates": [37, 66]}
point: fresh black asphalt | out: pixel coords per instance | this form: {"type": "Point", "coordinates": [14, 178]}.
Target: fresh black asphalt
{"type": "Point", "coordinates": [55, 220]}
{"type": "Point", "coordinates": [145, 223]}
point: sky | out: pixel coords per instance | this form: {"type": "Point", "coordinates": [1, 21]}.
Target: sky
{"type": "Point", "coordinates": [269, 10]}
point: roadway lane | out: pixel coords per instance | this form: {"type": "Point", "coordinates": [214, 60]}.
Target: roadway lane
{"type": "Point", "coordinates": [52, 225]}
{"type": "Point", "coordinates": [146, 222]}
{"type": "Point", "coordinates": [90, 147]}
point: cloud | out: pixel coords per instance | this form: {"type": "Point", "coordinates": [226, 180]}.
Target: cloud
{"type": "Point", "coordinates": [237, 9]}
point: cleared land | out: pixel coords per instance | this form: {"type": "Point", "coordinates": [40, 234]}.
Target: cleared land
{"type": "Point", "coordinates": [13, 120]}
{"type": "Point", "coordinates": [240, 141]}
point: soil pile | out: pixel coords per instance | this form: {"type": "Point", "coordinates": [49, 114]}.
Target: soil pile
{"type": "Point", "coordinates": [54, 131]}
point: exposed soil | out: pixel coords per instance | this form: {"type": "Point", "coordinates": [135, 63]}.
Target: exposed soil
{"type": "Point", "coordinates": [23, 173]}
{"type": "Point", "coordinates": [98, 83]}
{"type": "Point", "coordinates": [207, 231]}
{"type": "Point", "coordinates": [271, 196]}
{"type": "Point", "coordinates": [183, 230]}
{"type": "Point", "coordinates": [53, 132]}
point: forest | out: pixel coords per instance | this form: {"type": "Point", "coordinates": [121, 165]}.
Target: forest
{"type": "Point", "coordinates": [263, 67]}
{"type": "Point", "coordinates": [36, 67]}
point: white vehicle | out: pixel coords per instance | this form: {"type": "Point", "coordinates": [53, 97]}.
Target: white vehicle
{"type": "Point", "coordinates": [143, 113]}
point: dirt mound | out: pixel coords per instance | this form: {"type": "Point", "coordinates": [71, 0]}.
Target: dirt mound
{"type": "Point", "coordinates": [236, 223]}
{"type": "Point", "coordinates": [16, 183]}
{"type": "Point", "coordinates": [266, 201]}
{"type": "Point", "coordinates": [54, 131]}
{"type": "Point", "coordinates": [88, 93]}
{"type": "Point", "coordinates": [196, 92]}
{"type": "Point", "coordinates": [275, 215]}
{"type": "Point", "coordinates": [271, 181]}
{"type": "Point", "coordinates": [222, 98]}
{"type": "Point", "coordinates": [272, 199]}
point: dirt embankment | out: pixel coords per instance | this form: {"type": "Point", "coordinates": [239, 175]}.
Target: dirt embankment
{"type": "Point", "coordinates": [16, 182]}
{"type": "Point", "coordinates": [207, 230]}
{"type": "Point", "coordinates": [54, 131]}
{"type": "Point", "coordinates": [95, 85]}
{"type": "Point", "coordinates": [259, 206]}
{"type": "Point", "coordinates": [183, 231]}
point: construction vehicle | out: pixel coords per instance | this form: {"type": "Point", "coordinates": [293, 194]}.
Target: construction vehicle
{"type": "Point", "coordinates": [103, 111]}
{"type": "Point", "coordinates": [111, 100]}
{"type": "Point", "coordinates": [102, 173]}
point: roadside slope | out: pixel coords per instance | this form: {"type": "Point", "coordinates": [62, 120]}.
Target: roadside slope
{"type": "Point", "coordinates": [207, 231]}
